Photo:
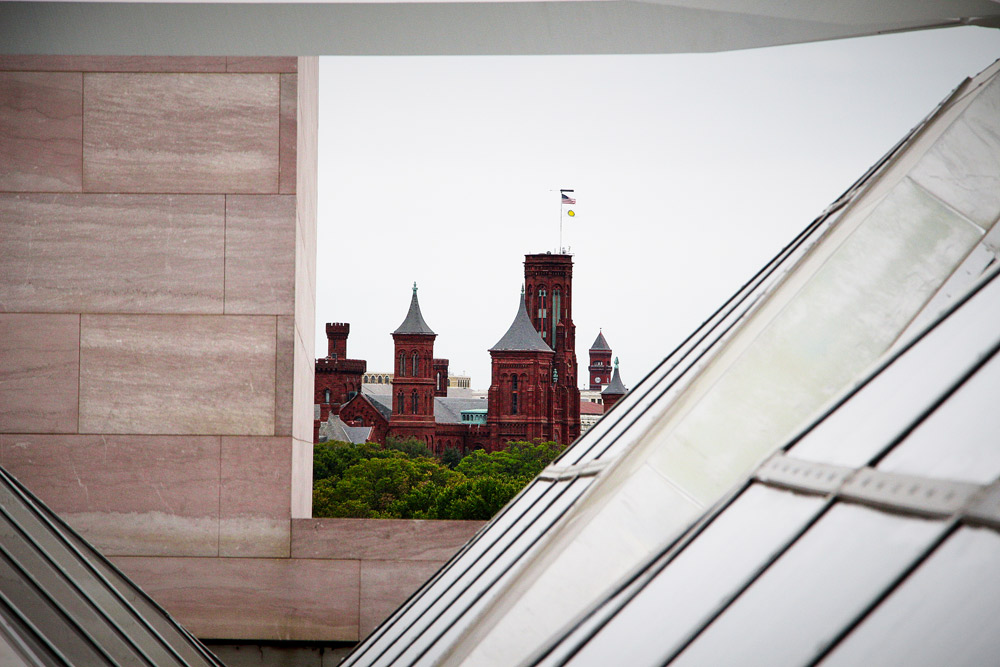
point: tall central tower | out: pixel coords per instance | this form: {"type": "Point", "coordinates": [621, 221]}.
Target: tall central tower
{"type": "Point", "coordinates": [548, 280]}
{"type": "Point", "coordinates": [413, 381]}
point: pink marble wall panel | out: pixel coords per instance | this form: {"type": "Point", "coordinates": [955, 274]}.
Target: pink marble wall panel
{"type": "Point", "coordinates": [128, 495]}
{"type": "Point", "coordinates": [175, 374]}
{"type": "Point", "coordinates": [260, 254]}
{"type": "Point", "coordinates": [383, 539]}
{"type": "Point", "coordinates": [41, 115]}
{"type": "Point", "coordinates": [112, 253]}
{"type": "Point", "coordinates": [192, 133]}
{"type": "Point", "coordinates": [287, 133]}
{"type": "Point", "coordinates": [301, 487]}
{"type": "Point", "coordinates": [254, 502]}
{"type": "Point", "coordinates": [284, 375]}
{"type": "Point", "coordinates": [254, 598]}
{"type": "Point", "coordinates": [261, 64]}
{"type": "Point", "coordinates": [113, 63]}
{"type": "Point", "coordinates": [39, 373]}
{"type": "Point", "coordinates": [307, 151]}
{"type": "Point", "coordinates": [386, 584]}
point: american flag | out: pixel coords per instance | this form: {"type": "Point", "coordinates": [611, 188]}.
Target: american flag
{"type": "Point", "coordinates": [566, 199]}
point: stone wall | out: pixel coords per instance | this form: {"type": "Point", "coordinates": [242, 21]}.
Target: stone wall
{"type": "Point", "coordinates": [157, 296]}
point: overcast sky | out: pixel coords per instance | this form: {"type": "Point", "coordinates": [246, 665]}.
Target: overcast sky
{"type": "Point", "coordinates": [690, 172]}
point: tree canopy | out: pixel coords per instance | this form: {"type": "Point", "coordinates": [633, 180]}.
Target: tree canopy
{"type": "Point", "coordinates": [402, 481]}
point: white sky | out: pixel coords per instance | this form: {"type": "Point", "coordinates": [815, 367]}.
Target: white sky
{"type": "Point", "coordinates": [690, 172]}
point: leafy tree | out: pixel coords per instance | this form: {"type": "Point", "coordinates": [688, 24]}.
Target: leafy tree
{"type": "Point", "coordinates": [521, 461]}
{"type": "Point", "coordinates": [410, 446]}
{"type": "Point", "coordinates": [451, 457]}
{"type": "Point", "coordinates": [370, 481]}
{"type": "Point", "coordinates": [479, 498]}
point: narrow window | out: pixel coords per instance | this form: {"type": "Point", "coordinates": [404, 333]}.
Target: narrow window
{"type": "Point", "coordinates": [413, 402]}
{"type": "Point", "coordinates": [439, 381]}
{"type": "Point", "coordinates": [402, 365]}
{"type": "Point", "coordinates": [399, 403]}
{"type": "Point", "coordinates": [556, 314]}
{"type": "Point", "coordinates": [543, 312]}
{"type": "Point", "coordinates": [416, 365]}
{"type": "Point", "coordinates": [513, 394]}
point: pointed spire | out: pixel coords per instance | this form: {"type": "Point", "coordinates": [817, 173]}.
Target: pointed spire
{"type": "Point", "coordinates": [600, 343]}
{"type": "Point", "coordinates": [616, 387]}
{"type": "Point", "coordinates": [414, 322]}
{"type": "Point", "coordinates": [521, 335]}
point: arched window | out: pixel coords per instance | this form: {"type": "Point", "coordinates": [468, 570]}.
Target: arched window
{"type": "Point", "coordinates": [399, 403]}
{"type": "Point", "coordinates": [439, 381]}
{"type": "Point", "coordinates": [326, 395]}
{"type": "Point", "coordinates": [513, 394]}
{"type": "Point", "coordinates": [413, 403]}
{"type": "Point", "coordinates": [402, 365]}
{"type": "Point", "coordinates": [416, 364]}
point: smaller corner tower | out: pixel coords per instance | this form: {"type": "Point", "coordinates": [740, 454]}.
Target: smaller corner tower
{"type": "Point", "coordinates": [521, 390]}
{"type": "Point", "coordinates": [600, 363]}
{"type": "Point", "coordinates": [413, 380]}
{"type": "Point", "coordinates": [615, 389]}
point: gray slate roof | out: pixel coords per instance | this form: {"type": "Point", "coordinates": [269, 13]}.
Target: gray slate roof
{"type": "Point", "coordinates": [615, 387]}
{"type": "Point", "coordinates": [414, 322]}
{"type": "Point", "coordinates": [600, 343]}
{"type": "Point", "coordinates": [336, 429]}
{"type": "Point", "coordinates": [449, 410]}
{"type": "Point", "coordinates": [382, 402]}
{"type": "Point", "coordinates": [521, 335]}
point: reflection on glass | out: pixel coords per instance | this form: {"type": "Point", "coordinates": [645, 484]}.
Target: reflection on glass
{"type": "Point", "coordinates": [959, 439]}
{"type": "Point", "coordinates": [672, 605]}
{"type": "Point", "coordinates": [455, 611]}
{"type": "Point", "coordinates": [823, 582]}
{"type": "Point", "coordinates": [858, 431]}
{"type": "Point", "coordinates": [945, 613]}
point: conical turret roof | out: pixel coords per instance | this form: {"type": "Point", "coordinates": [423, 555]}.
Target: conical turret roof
{"type": "Point", "coordinates": [600, 343]}
{"type": "Point", "coordinates": [616, 387]}
{"type": "Point", "coordinates": [521, 335]}
{"type": "Point", "coordinates": [414, 322]}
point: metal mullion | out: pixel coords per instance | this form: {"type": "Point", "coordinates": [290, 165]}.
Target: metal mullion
{"type": "Point", "coordinates": [551, 485]}
{"type": "Point", "coordinates": [68, 536]}
{"type": "Point", "coordinates": [747, 292]}
{"type": "Point", "coordinates": [29, 579]}
{"type": "Point", "coordinates": [953, 525]}
{"type": "Point", "coordinates": [513, 563]}
{"type": "Point", "coordinates": [648, 572]}
{"type": "Point", "coordinates": [84, 595]}
{"type": "Point", "coordinates": [828, 503]}
{"type": "Point", "coordinates": [31, 627]}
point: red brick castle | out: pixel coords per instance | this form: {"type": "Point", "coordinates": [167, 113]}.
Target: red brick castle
{"type": "Point", "coordinates": [533, 392]}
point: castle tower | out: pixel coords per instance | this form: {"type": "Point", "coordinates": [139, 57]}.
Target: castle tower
{"type": "Point", "coordinates": [600, 363]}
{"type": "Point", "coordinates": [336, 339]}
{"type": "Point", "coordinates": [337, 378]}
{"type": "Point", "coordinates": [521, 391]}
{"type": "Point", "coordinates": [413, 381]}
{"type": "Point", "coordinates": [615, 389]}
{"type": "Point", "coordinates": [548, 280]}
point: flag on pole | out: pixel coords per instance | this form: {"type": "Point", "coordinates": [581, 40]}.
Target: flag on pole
{"type": "Point", "coordinates": [566, 199]}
